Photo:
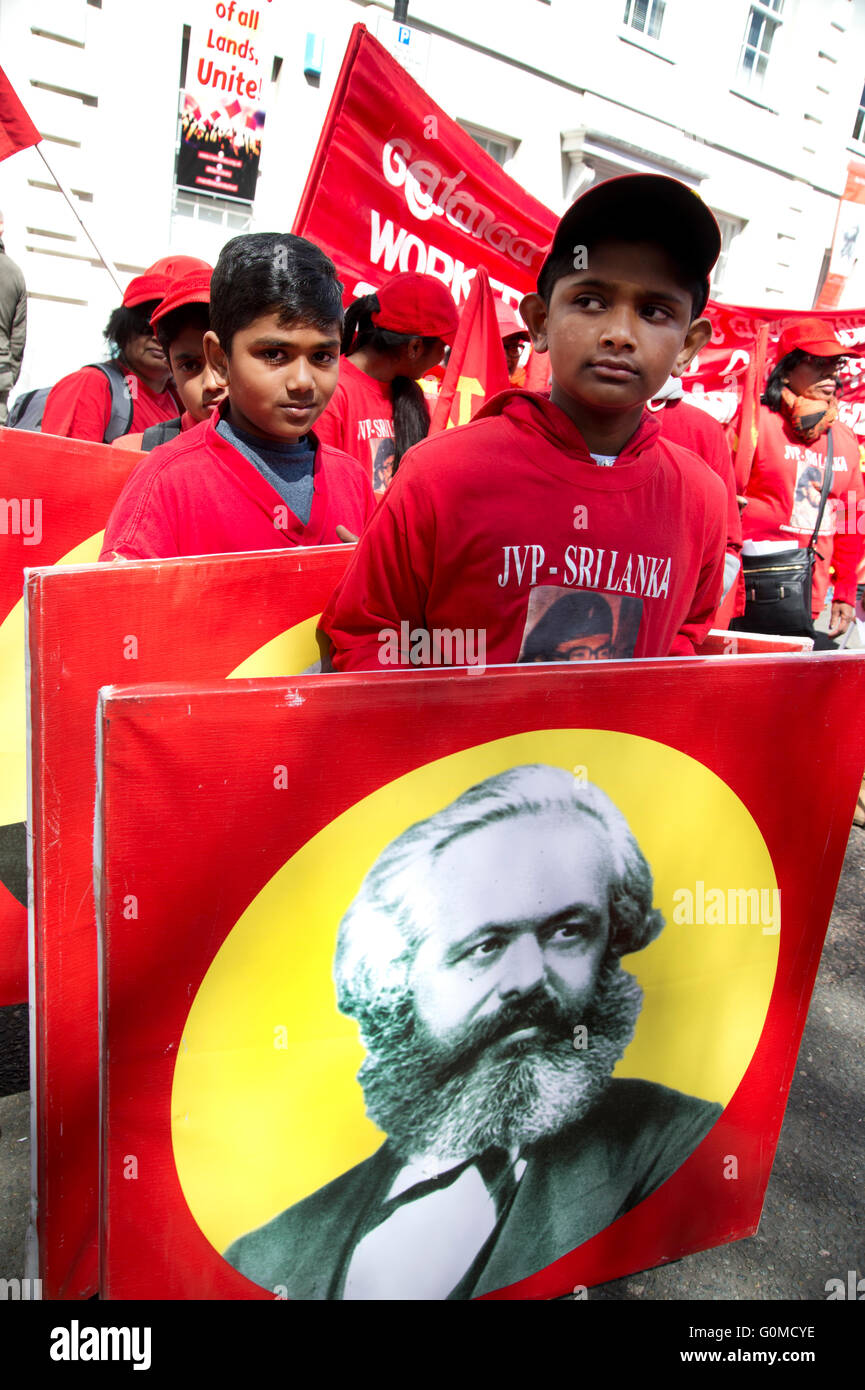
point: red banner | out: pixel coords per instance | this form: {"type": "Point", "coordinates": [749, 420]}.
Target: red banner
{"type": "Point", "coordinates": [17, 131]}
{"type": "Point", "coordinates": [193, 619]}
{"type": "Point", "coordinates": [245, 885]}
{"type": "Point", "coordinates": [476, 366]}
{"type": "Point", "coordinates": [731, 370]}
{"type": "Point", "coordinates": [55, 498]}
{"type": "Point", "coordinates": [396, 185]}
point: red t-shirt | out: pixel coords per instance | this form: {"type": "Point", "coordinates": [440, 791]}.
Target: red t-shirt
{"type": "Point", "coordinates": [79, 406]}
{"type": "Point", "coordinates": [693, 428]}
{"type": "Point", "coordinates": [359, 419]}
{"type": "Point", "coordinates": [688, 425]}
{"type": "Point", "coordinates": [198, 496]}
{"type": "Point", "coordinates": [783, 491]}
{"type": "Point", "coordinates": [488, 527]}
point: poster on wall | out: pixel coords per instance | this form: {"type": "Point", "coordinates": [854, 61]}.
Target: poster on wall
{"type": "Point", "coordinates": [222, 104]}
{"type": "Point", "coordinates": [503, 1002]}
{"type": "Point", "coordinates": [845, 281]}
{"type": "Point", "coordinates": [55, 498]}
{"type": "Point", "coordinates": [194, 618]}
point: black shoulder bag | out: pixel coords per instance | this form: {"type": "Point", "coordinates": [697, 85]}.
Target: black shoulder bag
{"type": "Point", "coordinates": [778, 587]}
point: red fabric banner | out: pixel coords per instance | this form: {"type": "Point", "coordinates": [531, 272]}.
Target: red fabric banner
{"type": "Point", "coordinates": [237, 1159]}
{"type": "Point", "coordinates": [396, 185]}
{"type": "Point", "coordinates": [55, 498]}
{"type": "Point", "coordinates": [189, 618]}
{"type": "Point", "coordinates": [17, 131]}
{"type": "Point", "coordinates": [476, 366]}
{"type": "Point", "coordinates": [734, 365]}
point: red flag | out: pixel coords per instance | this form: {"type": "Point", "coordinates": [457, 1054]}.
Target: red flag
{"type": "Point", "coordinates": [416, 190]}
{"type": "Point", "coordinates": [17, 131]}
{"type": "Point", "coordinates": [476, 368]}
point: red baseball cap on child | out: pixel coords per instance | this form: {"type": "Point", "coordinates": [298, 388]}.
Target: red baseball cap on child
{"type": "Point", "coordinates": [509, 324]}
{"type": "Point", "coordinates": [158, 278]}
{"type": "Point", "coordinates": [418, 305]}
{"type": "Point", "coordinates": [192, 289]}
{"type": "Point", "coordinates": [814, 336]}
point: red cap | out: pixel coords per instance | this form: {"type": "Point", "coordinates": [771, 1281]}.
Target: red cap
{"type": "Point", "coordinates": [158, 279]}
{"type": "Point", "coordinates": [192, 289]}
{"type": "Point", "coordinates": [816, 337]}
{"type": "Point", "coordinates": [509, 324]}
{"type": "Point", "coordinates": [418, 305]}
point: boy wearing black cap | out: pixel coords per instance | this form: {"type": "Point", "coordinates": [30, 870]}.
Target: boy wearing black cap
{"type": "Point", "coordinates": [578, 491]}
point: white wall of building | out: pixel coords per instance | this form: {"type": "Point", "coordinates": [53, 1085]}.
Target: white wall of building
{"type": "Point", "coordinates": [567, 83]}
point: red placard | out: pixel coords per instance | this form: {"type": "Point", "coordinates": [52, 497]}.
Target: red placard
{"type": "Point", "coordinates": [236, 827]}
{"type": "Point", "coordinates": [55, 498]}
{"type": "Point", "coordinates": [191, 618]}
{"type": "Point", "coordinates": [415, 190]}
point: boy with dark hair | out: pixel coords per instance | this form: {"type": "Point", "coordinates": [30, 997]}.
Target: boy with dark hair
{"type": "Point", "coordinates": [254, 476]}
{"type": "Point", "coordinates": [181, 321]}
{"type": "Point", "coordinates": [577, 491]}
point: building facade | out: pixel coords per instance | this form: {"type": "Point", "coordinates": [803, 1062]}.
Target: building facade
{"type": "Point", "coordinates": [758, 104]}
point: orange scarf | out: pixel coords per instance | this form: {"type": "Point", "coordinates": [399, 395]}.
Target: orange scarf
{"type": "Point", "coordinates": [808, 416]}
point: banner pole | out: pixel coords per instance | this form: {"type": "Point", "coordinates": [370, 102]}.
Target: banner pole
{"type": "Point", "coordinates": [68, 196]}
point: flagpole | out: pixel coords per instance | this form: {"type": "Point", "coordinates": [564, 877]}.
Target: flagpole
{"type": "Point", "coordinates": [109, 266]}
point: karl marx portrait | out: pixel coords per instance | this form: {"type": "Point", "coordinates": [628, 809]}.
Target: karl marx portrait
{"type": "Point", "coordinates": [481, 959]}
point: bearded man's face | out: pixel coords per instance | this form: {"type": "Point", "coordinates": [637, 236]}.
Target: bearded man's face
{"type": "Point", "coordinates": [481, 1050]}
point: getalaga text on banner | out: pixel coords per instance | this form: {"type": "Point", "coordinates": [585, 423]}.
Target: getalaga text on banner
{"type": "Point", "coordinates": [396, 185]}
{"type": "Point", "coordinates": [222, 103]}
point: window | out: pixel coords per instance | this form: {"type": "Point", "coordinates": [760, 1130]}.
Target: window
{"type": "Point", "coordinates": [646, 16]}
{"type": "Point", "coordinates": [236, 217]}
{"type": "Point", "coordinates": [499, 146]}
{"type": "Point", "coordinates": [763, 21]}
{"type": "Point", "coordinates": [730, 228]}
{"type": "Point", "coordinates": [858, 131]}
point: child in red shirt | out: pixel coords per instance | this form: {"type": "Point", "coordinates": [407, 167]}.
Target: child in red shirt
{"type": "Point", "coordinates": [254, 476]}
{"type": "Point", "coordinates": [487, 527]}
{"type": "Point", "coordinates": [390, 339]}
{"type": "Point", "coordinates": [181, 321]}
{"type": "Point", "coordinates": [79, 406]}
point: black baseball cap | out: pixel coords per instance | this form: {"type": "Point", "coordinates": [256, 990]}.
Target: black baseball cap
{"type": "Point", "coordinates": [647, 207]}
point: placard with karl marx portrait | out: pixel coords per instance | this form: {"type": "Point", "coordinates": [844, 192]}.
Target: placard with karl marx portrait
{"type": "Point", "coordinates": [503, 1003]}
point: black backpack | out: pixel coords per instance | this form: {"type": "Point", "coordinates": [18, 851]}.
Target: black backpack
{"type": "Point", "coordinates": [155, 435]}
{"type": "Point", "coordinates": [27, 412]}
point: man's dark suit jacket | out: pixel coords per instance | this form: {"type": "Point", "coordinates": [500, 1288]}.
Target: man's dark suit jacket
{"type": "Point", "coordinates": [574, 1185]}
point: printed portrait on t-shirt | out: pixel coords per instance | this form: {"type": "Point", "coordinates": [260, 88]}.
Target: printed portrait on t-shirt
{"type": "Point", "coordinates": [806, 499]}
{"type": "Point", "coordinates": [579, 625]}
{"type": "Point", "coordinates": [382, 463]}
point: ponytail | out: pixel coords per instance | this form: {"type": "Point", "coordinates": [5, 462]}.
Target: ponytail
{"type": "Point", "coordinates": [358, 327]}
{"type": "Point", "coordinates": [410, 415]}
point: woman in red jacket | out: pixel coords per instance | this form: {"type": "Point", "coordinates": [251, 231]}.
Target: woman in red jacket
{"type": "Point", "coordinates": [390, 339]}
{"type": "Point", "coordinates": [786, 475]}
{"type": "Point", "coordinates": [79, 406]}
